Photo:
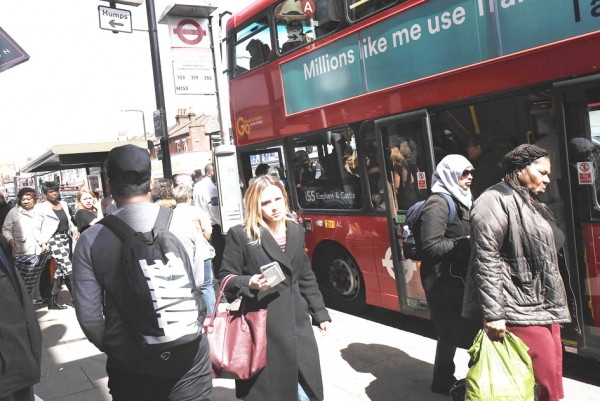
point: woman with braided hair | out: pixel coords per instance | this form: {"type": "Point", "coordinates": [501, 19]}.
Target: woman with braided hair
{"type": "Point", "coordinates": [513, 281]}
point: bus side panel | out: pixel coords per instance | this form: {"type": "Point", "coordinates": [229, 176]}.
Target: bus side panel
{"type": "Point", "coordinates": [366, 239]}
{"type": "Point", "coordinates": [362, 252]}
{"type": "Point", "coordinates": [256, 118]}
{"type": "Point", "coordinates": [386, 273]}
{"type": "Point", "coordinates": [592, 230]}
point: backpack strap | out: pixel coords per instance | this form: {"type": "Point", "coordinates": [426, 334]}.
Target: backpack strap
{"type": "Point", "coordinates": [124, 231]}
{"type": "Point", "coordinates": [452, 206]}
{"type": "Point", "coordinates": [118, 226]}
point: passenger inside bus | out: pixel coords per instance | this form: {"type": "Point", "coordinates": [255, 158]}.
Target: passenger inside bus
{"type": "Point", "coordinates": [259, 52]}
{"type": "Point", "coordinates": [324, 173]}
{"type": "Point", "coordinates": [299, 23]}
{"type": "Point", "coordinates": [402, 178]}
{"type": "Point", "coordinates": [295, 36]}
{"type": "Point", "coordinates": [485, 158]}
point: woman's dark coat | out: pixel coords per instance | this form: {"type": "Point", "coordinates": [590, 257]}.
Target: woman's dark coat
{"type": "Point", "coordinates": [291, 344]}
{"type": "Point", "coordinates": [20, 335]}
{"type": "Point", "coordinates": [445, 244]}
{"type": "Point", "coordinates": [513, 273]}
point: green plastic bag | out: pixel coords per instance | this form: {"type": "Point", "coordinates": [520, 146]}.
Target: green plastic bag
{"type": "Point", "coordinates": [502, 371]}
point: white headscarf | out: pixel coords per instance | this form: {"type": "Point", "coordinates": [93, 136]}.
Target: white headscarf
{"type": "Point", "coordinates": [446, 176]}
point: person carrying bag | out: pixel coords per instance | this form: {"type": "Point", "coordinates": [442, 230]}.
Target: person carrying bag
{"type": "Point", "coordinates": [268, 236]}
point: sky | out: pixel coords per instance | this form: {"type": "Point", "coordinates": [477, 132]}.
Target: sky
{"type": "Point", "coordinates": [79, 77]}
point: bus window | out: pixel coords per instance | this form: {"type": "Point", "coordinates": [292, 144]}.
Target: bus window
{"type": "Point", "coordinates": [263, 161]}
{"type": "Point", "coordinates": [297, 25]}
{"type": "Point", "coordinates": [252, 46]}
{"type": "Point", "coordinates": [358, 9]}
{"type": "Point", "coordinates": [324, 170]}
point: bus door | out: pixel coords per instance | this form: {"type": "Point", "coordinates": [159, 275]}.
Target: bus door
{"type": "Point", "coordinates": [578, 116]}
{"type": "Point", "coordinates": [404, 154]}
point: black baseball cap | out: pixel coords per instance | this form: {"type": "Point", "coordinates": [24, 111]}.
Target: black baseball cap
{"type": "Point", "coordinates": [129, 163]}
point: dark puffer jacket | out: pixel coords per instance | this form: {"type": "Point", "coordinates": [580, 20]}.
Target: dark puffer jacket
{"type": "Point", "coordinates": [513, 272]}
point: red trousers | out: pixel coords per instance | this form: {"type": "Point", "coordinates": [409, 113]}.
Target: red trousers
{"type": "Point", "coordinates": [545, 350]}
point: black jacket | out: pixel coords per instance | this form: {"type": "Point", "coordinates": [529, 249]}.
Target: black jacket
{"type": "Point", "coordinates": [513, 272]}
{"type": "Point", "coordinates": [445, 244]}
{"type": "Point", "coordinates": [20, 335]}
{"type": "Point", "coordinates": [291, 346]}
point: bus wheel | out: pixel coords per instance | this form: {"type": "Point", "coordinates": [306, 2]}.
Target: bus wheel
{"type": "Point", "coordinates": [343, 286]}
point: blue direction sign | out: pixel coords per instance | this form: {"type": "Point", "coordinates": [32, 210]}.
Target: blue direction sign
{"type": "Point", "coordinates": [11, 53]}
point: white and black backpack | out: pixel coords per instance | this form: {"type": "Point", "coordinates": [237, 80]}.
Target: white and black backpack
{"type": "Point", "coordinates": [158, 296]}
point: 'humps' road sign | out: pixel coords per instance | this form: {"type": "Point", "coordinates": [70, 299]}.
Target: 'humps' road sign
{"type": "Point", "coordinates": [115, 19]}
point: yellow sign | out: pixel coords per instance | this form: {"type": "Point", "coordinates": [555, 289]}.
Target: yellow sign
{"type": "Point", "coordinates": [243, 125]}
{"type": "Point", "coordinates": [329, 224]}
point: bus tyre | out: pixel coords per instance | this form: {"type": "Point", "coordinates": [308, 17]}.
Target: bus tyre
{"type": "Point", "coordinates": [341, 282]}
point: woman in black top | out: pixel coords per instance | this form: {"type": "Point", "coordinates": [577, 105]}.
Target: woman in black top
{"type": "Point", "coordinates": [446, 251]}
{"type": "Point", "coordinates": [88, 213]}
{"type": "Point", "coordinates": [52, 230]}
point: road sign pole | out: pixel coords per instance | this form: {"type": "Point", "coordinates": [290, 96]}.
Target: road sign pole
{"type": "Point", "coordinates": [158, 88]}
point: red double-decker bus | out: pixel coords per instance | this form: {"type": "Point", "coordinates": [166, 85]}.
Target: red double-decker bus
{"type": "Point", "coordinates": [324, 89]}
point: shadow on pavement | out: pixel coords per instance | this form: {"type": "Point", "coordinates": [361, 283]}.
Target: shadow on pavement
{"type": "Point", "coordinates": [397, 375]}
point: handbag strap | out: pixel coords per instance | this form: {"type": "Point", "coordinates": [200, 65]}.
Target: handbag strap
{"type": "Point", "coordinates": [221, 293]}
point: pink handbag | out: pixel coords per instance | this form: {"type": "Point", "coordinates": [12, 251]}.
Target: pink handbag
{"type": "Point", "coordinates": [238, 340]}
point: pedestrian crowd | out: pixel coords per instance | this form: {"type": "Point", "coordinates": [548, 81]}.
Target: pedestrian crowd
{"type": "Point", "coordinates": [489, 263]}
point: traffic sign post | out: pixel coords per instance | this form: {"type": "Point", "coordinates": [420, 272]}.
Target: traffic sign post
{"type": "Point", "coordinates": [115, 19]}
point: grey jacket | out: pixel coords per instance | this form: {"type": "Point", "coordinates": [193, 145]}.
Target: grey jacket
{"type": "Point", "coordinates": [513, 271]}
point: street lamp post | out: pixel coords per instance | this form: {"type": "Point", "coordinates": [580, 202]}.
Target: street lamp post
{"type": "Point", "coordinates": [143, 121]}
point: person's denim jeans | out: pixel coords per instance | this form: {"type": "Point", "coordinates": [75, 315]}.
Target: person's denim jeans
{"type": "Point", "coordinates": [207, 290]}
{"type": "Point", "coordinates": [302, 396]}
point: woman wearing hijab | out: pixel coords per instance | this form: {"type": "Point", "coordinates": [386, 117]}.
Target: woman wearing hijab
{"type": "Point", "coordinates": [446, 250]}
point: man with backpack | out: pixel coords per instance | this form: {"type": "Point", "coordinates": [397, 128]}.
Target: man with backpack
{"type": "Point", "coordinates": [137, 274]}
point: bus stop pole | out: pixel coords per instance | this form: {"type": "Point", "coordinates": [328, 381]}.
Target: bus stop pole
{"type": "Point", "coordinates": [158, 89]}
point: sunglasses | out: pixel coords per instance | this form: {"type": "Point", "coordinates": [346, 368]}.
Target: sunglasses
{"type": "Point", "coordinates": [466, 173]}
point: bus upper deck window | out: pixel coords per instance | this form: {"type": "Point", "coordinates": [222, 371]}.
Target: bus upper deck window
{"type": "Point", "coordinates": [358, 9]}
{"type": "Point", "coordinates": [298, 24]}
{"type": "Point", "coordinates": [252, 46]}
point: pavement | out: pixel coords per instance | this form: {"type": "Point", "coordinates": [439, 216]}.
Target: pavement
{"type": "Point", "coordinates": [360, 360]}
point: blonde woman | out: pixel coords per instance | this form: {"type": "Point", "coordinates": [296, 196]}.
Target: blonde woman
{"type": "Point", "coordinates": [88, 210]}
{"type": "Point", "coordinates": [269, 235]}
{"type": "Point", "coordinates": [402, 179]}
